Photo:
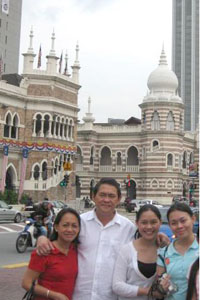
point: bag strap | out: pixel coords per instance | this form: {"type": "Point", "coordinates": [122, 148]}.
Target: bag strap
{"type": "Point", "coordinates": [163, 257]}
{"type": "Point", "coordinates": [30, 291]}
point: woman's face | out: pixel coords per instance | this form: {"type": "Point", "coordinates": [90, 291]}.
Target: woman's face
{"type": "Point", "coordinates": [148, 225]}
{"type": "Point", "coordinates": [181, 224]}
{"type": "Point", "coordinates": [68, 227]}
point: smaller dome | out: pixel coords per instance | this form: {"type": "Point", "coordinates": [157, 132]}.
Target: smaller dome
{"type": "Point", "coordinates": [162, 79]}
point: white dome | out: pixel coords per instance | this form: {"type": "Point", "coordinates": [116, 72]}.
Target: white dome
{"type": "Point", "coordinates": [162, 79]}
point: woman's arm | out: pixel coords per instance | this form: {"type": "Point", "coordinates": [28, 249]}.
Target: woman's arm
{"type": "Point", "coordinates": [39, 290]}
{"type": "Point", "coordinates": [120, 285]}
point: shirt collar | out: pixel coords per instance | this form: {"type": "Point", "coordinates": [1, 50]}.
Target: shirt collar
{"type": "Point", "coordinates": [194, 245]}
{"type": "Point", "coordinates": [92, 216]}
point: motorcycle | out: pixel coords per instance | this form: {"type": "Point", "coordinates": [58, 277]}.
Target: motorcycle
{"type": "Point", "coordinates": [28, 237]}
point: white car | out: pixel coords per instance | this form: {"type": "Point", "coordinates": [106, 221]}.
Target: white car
{"type": "Point", "coordinates": [7, 213]}
{"type": "Point", "coordinates": [140, 203]}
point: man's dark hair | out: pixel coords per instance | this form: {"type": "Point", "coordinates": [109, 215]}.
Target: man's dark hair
{"type": "Point", "coordinates": [110, 181]}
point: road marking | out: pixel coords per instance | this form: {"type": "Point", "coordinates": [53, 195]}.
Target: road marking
{"type": "Point", "coordinates": [20, 265]}
{"type": "Point", "coordinates": [8, 229]}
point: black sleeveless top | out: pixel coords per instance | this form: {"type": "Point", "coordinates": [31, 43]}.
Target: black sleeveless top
{"type": "Point", "coordinates": [147, 269]}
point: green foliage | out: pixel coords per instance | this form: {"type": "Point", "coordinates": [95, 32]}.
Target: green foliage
{"type": "Point", "coordinates": [24, 199]}
{"type": "Point", "coordinates": [9, 196]}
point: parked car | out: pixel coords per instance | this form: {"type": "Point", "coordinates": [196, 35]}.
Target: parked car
{"type": "Point", "coordinates": [180, 198]}
{"type": "Point", "coordinates": [7, 213]}
{"type": "Point", "coordinates": [58, 205]}
{"type": "Point", "coordinates": [134, 205]}
{"type": "Point", "coordinates": [165, 228]}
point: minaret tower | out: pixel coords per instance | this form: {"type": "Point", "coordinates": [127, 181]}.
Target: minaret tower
{"type": "Point", "coordinates": [89, 119]}
{"type": "Point", "coordinates": [52, 58]}
{"type": "Point", "coordinates": [76, 67]}
{"type": "Point", "coordinates": [29, 56]}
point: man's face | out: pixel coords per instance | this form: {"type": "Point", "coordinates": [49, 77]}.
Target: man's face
{"type": "Point", "coordinates": [106, 199]}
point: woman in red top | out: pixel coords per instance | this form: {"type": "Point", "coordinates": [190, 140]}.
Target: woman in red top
{"type": "Point", "coordinates": [56, 273]}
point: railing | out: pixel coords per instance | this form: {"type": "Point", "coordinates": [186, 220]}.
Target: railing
{"type": "Point", "coordinates": [132, 168]}
{"type": "Point", "coordinates": [118, 168]}
{"type": "Point", "coordinates": [105, 168]}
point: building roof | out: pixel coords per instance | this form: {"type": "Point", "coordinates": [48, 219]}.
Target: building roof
{"type": "Point", "coordinates": [13, 79]}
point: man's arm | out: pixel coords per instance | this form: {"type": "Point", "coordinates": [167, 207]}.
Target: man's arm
{"type": "Point", "coordinates": [44, 245]}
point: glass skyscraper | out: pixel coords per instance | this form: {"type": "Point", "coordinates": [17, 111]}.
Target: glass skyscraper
{"type": "Point", "coordinates": [185, 57]}
{"type": "Point", "coordinates": [10, 27]}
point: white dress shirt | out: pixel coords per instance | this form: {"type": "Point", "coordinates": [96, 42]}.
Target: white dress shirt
{"type": "Point", "coordinates": [98, 251]}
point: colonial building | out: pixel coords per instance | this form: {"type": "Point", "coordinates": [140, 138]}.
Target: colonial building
{"type": "Point", "coordinates": [38, 127]}
{"type": "Point", "coordinates": [150, 158]}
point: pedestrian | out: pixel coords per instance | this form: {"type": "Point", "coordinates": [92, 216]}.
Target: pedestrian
{"type": "Point", "coordinates": [103, 231]}
{"type": "Point", "coordinates": [29, 202]}
{"type": "Point", "coordinates": [56, 273]}
{"type": "Point", "coordinates": [176, 259]}
{"type": "Point", "coordinates": [135, 267]}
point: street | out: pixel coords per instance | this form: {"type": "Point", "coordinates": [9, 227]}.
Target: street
{"type": "Point", "coordinates": [13, 264]}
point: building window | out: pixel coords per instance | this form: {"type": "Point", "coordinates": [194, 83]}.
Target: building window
{"type": "Point", "coordinates": [36, 172]}
{"type": "Point", "coordinates": [170, 160]}
{"type": "Point", "coordinates": [155, 122]}
{"type": "Point", "coordinates": [170, 121]}
{"type": "Point", "coordinates": [6, 39]}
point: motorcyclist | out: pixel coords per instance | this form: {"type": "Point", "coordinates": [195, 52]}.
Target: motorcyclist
{"type": "Point", "coordinates": [41, 216]}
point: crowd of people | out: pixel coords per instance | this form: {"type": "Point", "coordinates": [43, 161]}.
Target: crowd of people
{"type": "Point", "coordinates": [101, 255]}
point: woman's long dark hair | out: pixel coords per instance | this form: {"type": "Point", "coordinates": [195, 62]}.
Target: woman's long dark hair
{"type": "Point", "coordinates": [58, 218]}
{"type": "Point", "coordinates": [192, 279]}
{"type": "Point", "coordinates": [193, 275]}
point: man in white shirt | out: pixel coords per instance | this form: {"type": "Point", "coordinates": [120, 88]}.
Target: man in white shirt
{"type": "Point", "coordinates": [103, 231]}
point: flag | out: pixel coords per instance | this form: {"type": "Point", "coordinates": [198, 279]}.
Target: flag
{"type": "Point", "coordinates": [23, 172]}
{"type": "Point", "coordinates": [5, 6]}
{"type": "Point", "coordinates": [60, 63]}
{"type": "Point", "coordinates": [39, 57]}
{"type": "Point", "coordinates": [4, 167]}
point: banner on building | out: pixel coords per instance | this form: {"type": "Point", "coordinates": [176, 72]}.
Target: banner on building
{"type": "Point", "coordinates": [4, 168]}
{"type": "Point", "coordinates": [5, 6]}
{"type": "Point", "coordinates": [23, 172]}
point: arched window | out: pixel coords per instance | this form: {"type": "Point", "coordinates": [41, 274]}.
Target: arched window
{"type": "Point", "coordinates": [184, 160]}
{"type": "Point", "coordinates": [119, 159]}
{"type": "Point", "coordinates": [79, 156]}
{"type": "Point", "coordinates": [155, 122]}
{"type": "Point", "coordinates": [132, 156]}
{"type": "Point", "coordinates": [92, 156]}
{"type": "Point", "coordinates": [170, 121]}
{"type": "Point", "coordinates": [56, 166]}
{"type": "Point", "coordinates": [38, 125]}
{"type": "Point", "coordinates": [14, 127]}
{"type": "Point", "coordinates": [46, 125]}
{"type": "Point", "coordinates": [7, 126]}
{"type": "Point", "coordinates": [155, 145]}
{"type": "Point", "coordinates": [105, 157]}
{"type": "Point", "coordinates": [36, 172]}
{"type": "Point", "coordinates": [44, 170]}
{"type": "Point", "coordinates": [170, 160]}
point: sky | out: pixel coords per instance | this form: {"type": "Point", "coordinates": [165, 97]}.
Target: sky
{"type": "Point", "coordinates": [120, 43]}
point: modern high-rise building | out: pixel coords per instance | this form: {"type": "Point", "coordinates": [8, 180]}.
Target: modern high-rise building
{"type": "Point", "coordinates": [185, 57]}
{"type": "Point", "coordinates": [10, 27]}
